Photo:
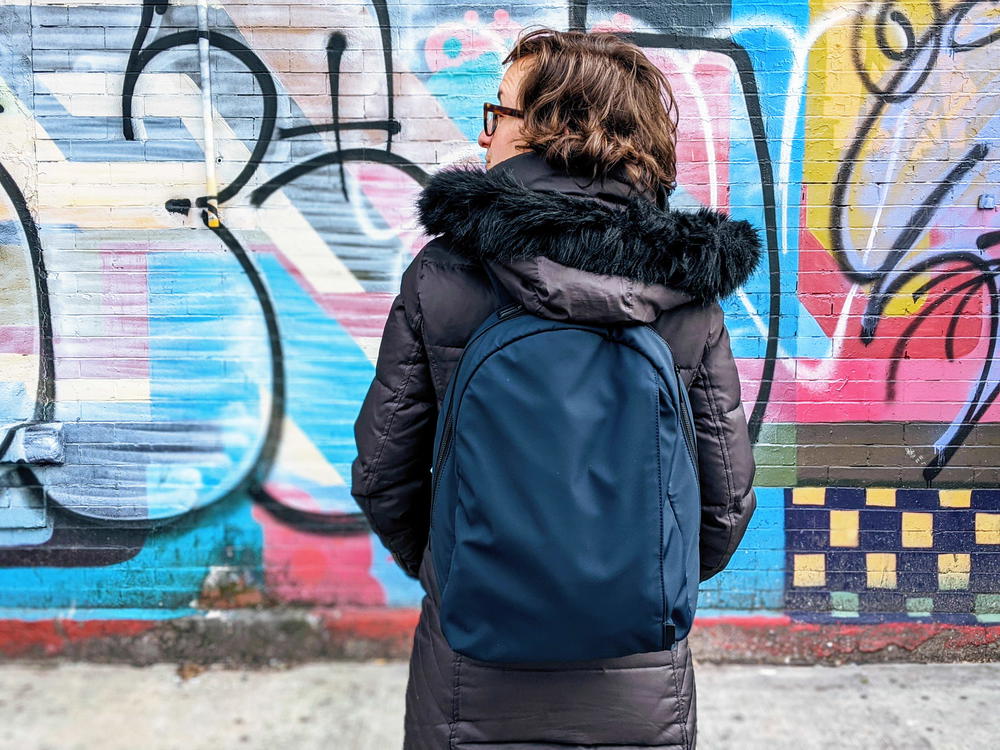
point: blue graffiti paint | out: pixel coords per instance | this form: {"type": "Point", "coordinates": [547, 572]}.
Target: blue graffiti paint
{"type": "Point", "coordinates": [754, 581]}
{"type": "Point", "coordinates": [326, 374]}
{"type": "Point", "coordinates": [461, 90]}
{"type": "Point", "coordinates": [452, 47]}
{"type": "Point", "coordinates": [400, 589]}
{"type": "Point", "coordinates": [162, 580]}
{"type": "Point", "coordinates": [99, 139]}
{"type": "Point", "coordinates": [772, 58]}
{"type": "Point", "coordinates": [209, 366]}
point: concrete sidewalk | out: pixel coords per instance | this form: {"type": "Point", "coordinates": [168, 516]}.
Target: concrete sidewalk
{"type": "Point", "coordinates": [359, 706]}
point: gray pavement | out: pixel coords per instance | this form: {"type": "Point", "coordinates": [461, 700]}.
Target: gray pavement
{"type": "Point", "coordinates": [359, 706]}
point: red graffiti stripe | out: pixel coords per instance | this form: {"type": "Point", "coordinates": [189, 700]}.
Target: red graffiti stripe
{"type": "Point", "coordinates": [371, 624]}
{"type": "Point", "coordinates": [389, 631]}
{"type": "Point", "coordinates": [50, 637]}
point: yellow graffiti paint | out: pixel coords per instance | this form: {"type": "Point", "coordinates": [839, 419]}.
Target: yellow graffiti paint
{"type": "Point", "coordinates": [837, 104]}
{"type": "Point", "coordinates": [903, 303]}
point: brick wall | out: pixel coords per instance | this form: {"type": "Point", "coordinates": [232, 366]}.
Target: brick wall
{"type": "Point", "coordinates": [162, 353]}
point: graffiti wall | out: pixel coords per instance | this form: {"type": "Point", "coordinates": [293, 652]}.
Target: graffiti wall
{"type": "Point", "coordinates": [206, 207]}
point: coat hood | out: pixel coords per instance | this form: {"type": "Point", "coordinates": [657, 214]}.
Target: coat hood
{"type": "Point", "coordinates": [598, 251]}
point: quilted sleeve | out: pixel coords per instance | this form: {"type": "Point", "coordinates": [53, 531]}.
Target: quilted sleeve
{"type": "Point", "coordinates": [394, 433]}
{"type": "Point", "coordinates": [725, 454]}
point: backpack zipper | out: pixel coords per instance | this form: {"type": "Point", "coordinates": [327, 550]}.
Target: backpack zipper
{"type": "Point", "coordinates": [687, 427]}
{"type": "Point", "coordinates": [442, 453]}
{"type": "Point", "coordinates": [508, 311]}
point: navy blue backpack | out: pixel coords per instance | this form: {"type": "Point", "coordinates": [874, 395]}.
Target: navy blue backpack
{"type": "Point", "coordinates": [565, 505]}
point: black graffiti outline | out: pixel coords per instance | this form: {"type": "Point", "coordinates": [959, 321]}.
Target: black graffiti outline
{"type": "Point", "coordinates": [253, 481]}
{"type": "Point", "coordinates": [744, 67]}
{"type": "Point", "coordinates": [577, 11]}
{"type": "Point", "coordinates": [336, 46]}
{"type": "Point", "coordinates": [878, 298]}
{"type": "Point", "coordinates": [253, 477]}
{"type": "Point", "coordinates": [45, 395]}
{"type": "Point", "coordinates": [341, 157]}
{"type": "Point", "coordinates": [145, 24]}
{"type": "Point", "coordinates": [987, 269]}
{"type": "Point", "coordinates": [62, 549]}
{"type": "Point", "coordinates": [269, 95]}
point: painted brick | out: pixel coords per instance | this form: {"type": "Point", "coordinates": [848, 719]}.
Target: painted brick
{"type": "Point", "coordinates": [160, 342]}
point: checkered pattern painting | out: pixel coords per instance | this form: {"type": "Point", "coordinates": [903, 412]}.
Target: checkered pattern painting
{"type": "Point", "coordinates": [875, 555]}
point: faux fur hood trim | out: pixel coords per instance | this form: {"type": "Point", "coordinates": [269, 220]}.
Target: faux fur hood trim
{"type": "Point", "coordinates": [491, 215]}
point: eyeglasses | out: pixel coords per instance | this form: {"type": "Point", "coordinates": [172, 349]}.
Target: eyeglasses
{"type": "Point", "coordinates": [492, 113]}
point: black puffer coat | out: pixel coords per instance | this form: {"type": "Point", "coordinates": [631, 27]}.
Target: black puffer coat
{"type": "Point", "coordinates": [567, 250]}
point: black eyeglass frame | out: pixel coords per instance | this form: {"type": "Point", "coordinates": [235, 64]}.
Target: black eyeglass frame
{"type": "Point", "coordinates": [497, 109]}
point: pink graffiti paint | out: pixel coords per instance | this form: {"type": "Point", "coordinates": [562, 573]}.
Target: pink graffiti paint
{"type": "Point", "coordinates": [931, 379]}
{"type": "Point", "coordinates": [704, 106]}
{"type": "Point", "coordinates": [112, 354]}
{"type": "Point", "coordinates": [620, 23]}
{"type": "Point", "coordinates": [451, 45]}
{"type": "Point", "coordinates": [18, 340]}
{"type": "Point", "coordinates": [301, 566]}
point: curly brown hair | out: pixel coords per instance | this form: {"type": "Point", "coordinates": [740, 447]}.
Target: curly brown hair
{"type": "Point", "coordinates": [595, 105]}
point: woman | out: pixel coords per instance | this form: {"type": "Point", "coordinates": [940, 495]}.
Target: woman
{"type": "Point", "coordinates": [571, 216]}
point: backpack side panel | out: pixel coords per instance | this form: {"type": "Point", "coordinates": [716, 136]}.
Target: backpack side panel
{"type": "Point", "coordinates": [678, 469]}
{"type": "Point", "coordinates": [684, 495]}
